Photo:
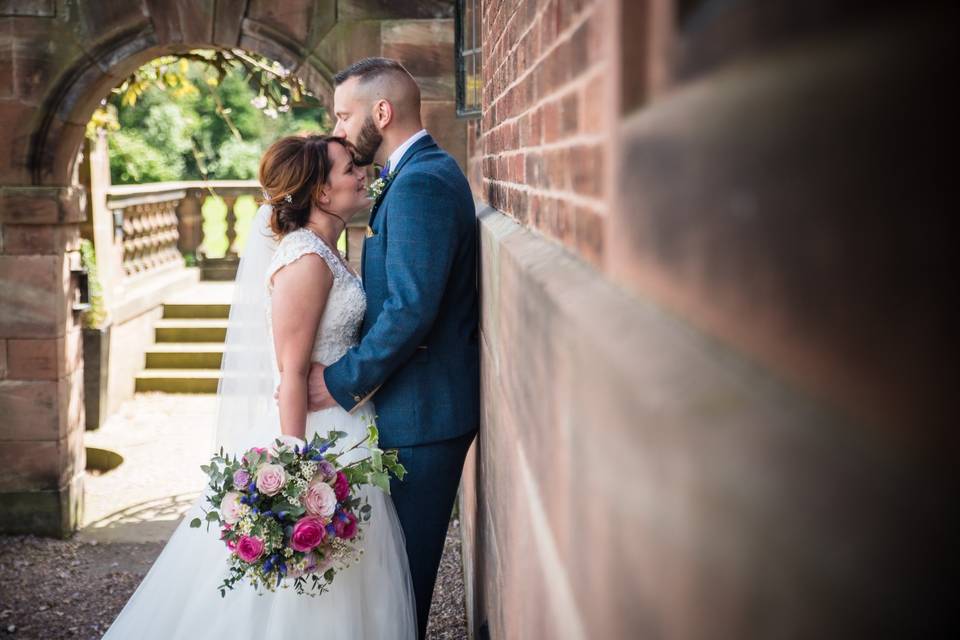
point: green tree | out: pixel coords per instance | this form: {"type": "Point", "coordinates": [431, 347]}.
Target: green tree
{"type": "Point", "coordinates": [202, 115]}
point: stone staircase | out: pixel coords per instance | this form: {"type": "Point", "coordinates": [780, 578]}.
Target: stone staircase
{"type": "Point", "coordinates": [187, 349]}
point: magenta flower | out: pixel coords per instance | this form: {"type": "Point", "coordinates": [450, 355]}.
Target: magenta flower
{"type": "Point", "coordinates": [307, 534]}
{"type": "Point", "coordinates": [345, 525]}
{"type": "Point", "coordinates": [341, 487]}
{"type": "Point", "coordinates": [249, 549]}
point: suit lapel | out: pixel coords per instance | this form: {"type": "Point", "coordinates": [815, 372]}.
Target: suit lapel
{"type": "Point", "coordinates": [418, 146]}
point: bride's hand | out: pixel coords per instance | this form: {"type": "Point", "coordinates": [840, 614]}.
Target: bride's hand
{"type": "Point", "coordinates": [318, 396]}
{"type": "Point", "coordinates": [288, 440]}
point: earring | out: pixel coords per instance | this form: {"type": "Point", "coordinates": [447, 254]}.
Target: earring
{"type": "Point", "coordinates": [288, 198]}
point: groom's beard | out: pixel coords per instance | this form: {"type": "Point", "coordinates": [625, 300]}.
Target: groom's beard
{"type": "Point", "coordinates": [368, 141]}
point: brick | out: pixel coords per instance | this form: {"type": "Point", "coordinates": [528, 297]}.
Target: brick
{"type": "Point", "coordinates": [517, 168]}
{"type": "Point", "coordinates": [558, 169]}
{"type": "Point", "coordinates": [536, 127]}
{"type": "Point", "coordinates": [533, 172]}
{"type": "Point", "coordinates": [422, 59]}
{"type": "Point", "coordinates": [46, 359]}
{"type": "Point", "coordinates": [39, 239]}
{"type": "Point", "coordinates": [30, 409]}
{"type": "Point", "coordinates": [594, 104]}
{"type": "Point", "coordinates": [587, 170]}
{"type": "Point", "coordinates": [42, 205]}
{"type": "Point", "coordinates": [569, 107]}
{"type": "Point", "coordinates": [33, 300]}
{"type": "Point", "coordinates": [38, 465]}
{"type": "Point", "coordinates": [580, 52]}
{"type": "Point", "coordinates": [551, 122]}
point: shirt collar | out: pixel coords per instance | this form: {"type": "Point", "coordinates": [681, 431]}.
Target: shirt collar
{"type": "Point", "coordinates": [398, 153]}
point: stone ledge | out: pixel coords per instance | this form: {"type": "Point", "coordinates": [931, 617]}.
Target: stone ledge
{"type": "Point", "coordinates": [689, 468]}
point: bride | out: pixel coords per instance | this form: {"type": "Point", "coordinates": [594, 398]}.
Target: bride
{"type": "Point", "coordinates": [296, 301]}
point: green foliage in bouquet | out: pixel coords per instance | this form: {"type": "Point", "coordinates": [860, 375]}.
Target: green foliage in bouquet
{"type": "Point", "coordinates": [263, 520]}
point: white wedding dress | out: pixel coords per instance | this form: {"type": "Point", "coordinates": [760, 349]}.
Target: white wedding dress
{"type": "Point", "coordinates": [372, 598]}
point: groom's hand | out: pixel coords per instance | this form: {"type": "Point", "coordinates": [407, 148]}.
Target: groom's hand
{"type": "Point", "coordinates": [318, 397]}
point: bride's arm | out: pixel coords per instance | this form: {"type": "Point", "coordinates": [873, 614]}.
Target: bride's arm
{"type": "Point", "coordinates": [300, 292]}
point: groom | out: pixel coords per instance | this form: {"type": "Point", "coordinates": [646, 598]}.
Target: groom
{"type": "Point", "coordinates": [418, 354]}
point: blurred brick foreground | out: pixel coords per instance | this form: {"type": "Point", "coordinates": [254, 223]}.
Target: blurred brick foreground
{"type": "Point", "coordinates": [716, 348]}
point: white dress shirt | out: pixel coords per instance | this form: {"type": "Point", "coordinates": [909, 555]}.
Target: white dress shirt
{"type": "Point", "coordinates": [397, 154]}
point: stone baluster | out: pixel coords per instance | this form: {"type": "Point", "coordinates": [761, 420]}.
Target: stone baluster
{"type": "Point", "coordinates": [190, 223]}
{"type": "Point", "coordinates": [230, 201]}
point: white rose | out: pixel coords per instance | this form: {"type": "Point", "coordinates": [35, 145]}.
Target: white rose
{"type": "Point", "coordinates": [230, 507]}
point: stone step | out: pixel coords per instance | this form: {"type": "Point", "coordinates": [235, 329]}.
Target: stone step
{"type": "Point", "coordinates": [195, 310]}
{"type": "Point", "coordinates": [179, 380]}
{"type": "Point", "coordinates": [191, 330]}
{"type": "Point", "coordinates": [185, 355]}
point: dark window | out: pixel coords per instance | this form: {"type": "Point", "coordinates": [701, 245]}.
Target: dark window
{"type": "Point", "coordinates": [467, 45]}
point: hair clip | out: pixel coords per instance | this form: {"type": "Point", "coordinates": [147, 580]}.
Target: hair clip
{"type": "Point", "coordinates": [288, 198]}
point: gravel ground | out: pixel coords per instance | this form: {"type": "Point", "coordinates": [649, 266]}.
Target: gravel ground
{"type": "Point", "coordinates": [51, 589]}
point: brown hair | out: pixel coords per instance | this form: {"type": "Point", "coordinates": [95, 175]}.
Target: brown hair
{"type": "Point", "coordinates": [292, 172]}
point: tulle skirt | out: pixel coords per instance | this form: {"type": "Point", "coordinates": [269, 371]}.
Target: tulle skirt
{"type": "Point", "coordinates": [373, 598]}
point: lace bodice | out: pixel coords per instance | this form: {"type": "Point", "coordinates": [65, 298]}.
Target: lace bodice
{"type": "Point", "coordinates": [343, 314]}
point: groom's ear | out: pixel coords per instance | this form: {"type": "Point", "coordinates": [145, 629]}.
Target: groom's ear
{"type": "Point", "coordinates": [382, 113]}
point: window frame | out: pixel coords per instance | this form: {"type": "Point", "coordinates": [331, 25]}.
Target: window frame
{"type": "Point", "coordinates": [465, 110]}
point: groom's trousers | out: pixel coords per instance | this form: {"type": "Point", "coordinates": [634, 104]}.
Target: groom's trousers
{"type": "Point", "coordinates": [424, 502]}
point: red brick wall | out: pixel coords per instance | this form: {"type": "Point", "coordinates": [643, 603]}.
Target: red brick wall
{"type": "Point", "coordinates": [541, 156]}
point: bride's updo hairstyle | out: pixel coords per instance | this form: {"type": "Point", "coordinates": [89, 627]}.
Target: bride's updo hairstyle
{"type": "Point", "coordinates": [293, 170]}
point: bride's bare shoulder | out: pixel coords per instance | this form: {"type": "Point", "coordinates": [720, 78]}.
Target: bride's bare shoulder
{"type": "Point", "coordinates": [299, 255]}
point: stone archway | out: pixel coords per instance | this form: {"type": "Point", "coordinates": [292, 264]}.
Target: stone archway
{"type": "Point", "coordinates": [57, 60]}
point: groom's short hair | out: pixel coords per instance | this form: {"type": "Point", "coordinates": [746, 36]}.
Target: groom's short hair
{"type": "Point", "coordinates": [385, 78]}
{"type": "Point", "coordinates": [369, 69]}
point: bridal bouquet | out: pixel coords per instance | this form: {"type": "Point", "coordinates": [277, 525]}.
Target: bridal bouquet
{"type": "Point", "coordinates": [293, 512]}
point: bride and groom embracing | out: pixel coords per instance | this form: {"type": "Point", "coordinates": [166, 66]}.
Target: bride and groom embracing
{"type": "Point", "coordinates": [312, 345]}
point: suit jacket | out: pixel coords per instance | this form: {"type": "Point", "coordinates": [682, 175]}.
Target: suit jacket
{"type": "Point", "coordinates": [419, 349]}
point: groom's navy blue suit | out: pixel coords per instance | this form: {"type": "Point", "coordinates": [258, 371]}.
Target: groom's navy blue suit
{"type": "Point", "coordinates": [419, 351]}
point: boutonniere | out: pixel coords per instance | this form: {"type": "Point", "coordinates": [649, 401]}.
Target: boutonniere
{"type": "Point", "coordinates": [378, 186]}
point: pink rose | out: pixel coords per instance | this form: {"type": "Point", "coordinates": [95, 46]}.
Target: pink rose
{"type": "Point", "coordinates": [230, 507]}
{"type": "Point", "coordinates": [241, 478]}
{"type": "Point", "coordinates": [270, 479]}
{"type": "Point", "coordinates": [249, 549]}
{"type": "Point", "coordinates": [307, 534]}
{"type": "Point", "coordinates": [345, 525]}
{"type": "Point", "coordinates": [340, 486]}
{"type": "Point", "coordinates": [319, 499]}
